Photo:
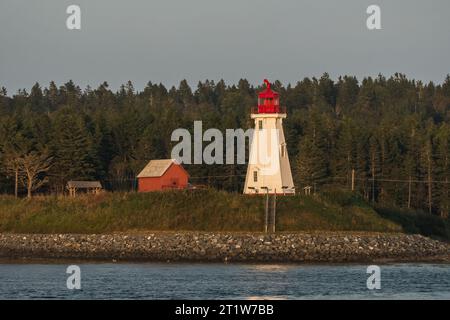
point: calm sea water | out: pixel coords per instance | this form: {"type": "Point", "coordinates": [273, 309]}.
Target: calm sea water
{"type": "Point", "coordinates": [223, 281]}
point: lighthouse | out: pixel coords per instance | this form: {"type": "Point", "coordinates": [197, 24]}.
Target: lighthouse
{"type": "Point", "coordinates": [268, 169]}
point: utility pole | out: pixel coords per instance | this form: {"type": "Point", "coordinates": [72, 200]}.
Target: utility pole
{"type": "Point", "coordinates": [267, 210]}
{"type": "Point", "coordinates": [274, 210]}
{"type": "Point", "coordinates": [16, 183]}
{"type": "Point", "coordinates": [373, 184]}
{"type": "Point", "coordinates": [409, 193]}
{"type": "Point", "coordinates": [353, 179]}
{"type": "Point", "coordinates": [266, 224]}
{"type": "Point", "coordinates": [429, 181]}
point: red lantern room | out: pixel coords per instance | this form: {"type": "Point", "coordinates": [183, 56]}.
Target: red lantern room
{"type": "Point", "coordinates": [268, 100]}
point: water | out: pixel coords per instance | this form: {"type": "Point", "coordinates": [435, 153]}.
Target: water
{"type": "Point", "coordinates": [223, 281]}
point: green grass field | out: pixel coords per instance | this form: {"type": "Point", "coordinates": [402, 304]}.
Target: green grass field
{"type": "Point", "coordinates": [201, 210]}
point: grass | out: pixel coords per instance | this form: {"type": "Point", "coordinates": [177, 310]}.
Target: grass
{"type": "Point", "coordinates": [329, 211]}
{"type": "Point", "coordinates": [202, 210]}
{"type": "Point", "coordinates": [418, 222]}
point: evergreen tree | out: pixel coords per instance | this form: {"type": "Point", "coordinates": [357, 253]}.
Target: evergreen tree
{"type": "Point", "coordinates": [72, 147]}
{"type": "Point", "coordinates": [311, 164]}
{"type": "Point", "coordinates": [442, 142]}
{"type": "Point", "coordinates": [394, 129]}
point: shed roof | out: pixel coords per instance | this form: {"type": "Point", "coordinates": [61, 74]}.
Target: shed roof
{"type": "Point", "coordinates": [156, 168]}
{"type": "Point", "coordinates": [84, 184]}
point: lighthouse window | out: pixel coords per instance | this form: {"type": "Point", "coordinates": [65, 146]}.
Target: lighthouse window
{"type": "Point", "coordinates": [260, 126]}
{"type": "Point", "coordinates": [283, 151]}
{"type": "Point", "coordinates": [255, 176]}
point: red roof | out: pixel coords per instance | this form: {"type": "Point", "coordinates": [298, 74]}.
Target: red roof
{"type": "Point", "coordinates": [268, 100]}
{"type": "Point", "coordinates": [268, 93]}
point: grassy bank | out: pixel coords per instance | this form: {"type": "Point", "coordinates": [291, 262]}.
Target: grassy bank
{"type": "Point", "coordinates": [207, 210]}
{"type": "Point", "coordinates": [202, 210]}
{"type": "Point", "coordinates": [418, 222]}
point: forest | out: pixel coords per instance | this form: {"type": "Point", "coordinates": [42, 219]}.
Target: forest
{"type": "Point", "coordinates": [393, 132]}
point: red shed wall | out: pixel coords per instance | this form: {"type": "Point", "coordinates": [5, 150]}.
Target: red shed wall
{"type": "Point", "coordinates": [175, 177]}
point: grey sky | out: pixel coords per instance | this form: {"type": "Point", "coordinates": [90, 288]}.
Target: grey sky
{"type": "Point", "coordinates": [169, 40]}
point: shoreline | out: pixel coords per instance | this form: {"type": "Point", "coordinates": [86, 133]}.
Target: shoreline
{"type": "Point", "coordinates": [319, 247]}
{"type": "Point", "coordinates": [435, 260]}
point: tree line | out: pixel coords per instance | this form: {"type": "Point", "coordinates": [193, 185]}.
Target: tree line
{"type": "Point", "coordinates": [393, 132]}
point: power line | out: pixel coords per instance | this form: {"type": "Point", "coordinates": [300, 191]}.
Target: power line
{"type": "Point", "coordinates": [342, 178]}
{"type": "Point", "coordinates": [223, 176]}
{"type": "Point", "coordinates": [395, 180]}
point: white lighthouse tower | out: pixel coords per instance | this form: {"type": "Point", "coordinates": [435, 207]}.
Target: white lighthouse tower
{"type": "Point", "coordinates": [268, 169]}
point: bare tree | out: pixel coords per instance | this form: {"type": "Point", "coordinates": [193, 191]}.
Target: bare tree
{"type": "Point", "coordinates": [13, 166]}
{"type": "Point", "coordinates": [12, 159]}
{"type": "Point", "coordinates": [35, 165]}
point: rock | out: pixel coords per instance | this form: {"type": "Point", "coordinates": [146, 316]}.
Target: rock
{"type": "Point", "coordinates": [204, 246]}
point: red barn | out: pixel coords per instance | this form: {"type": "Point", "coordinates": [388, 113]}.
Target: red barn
{"type": "Point", "coordinates": [161, 175]}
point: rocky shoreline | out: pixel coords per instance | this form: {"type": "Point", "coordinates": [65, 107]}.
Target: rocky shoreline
{"type": "Point", "coordinates": [320, 247]}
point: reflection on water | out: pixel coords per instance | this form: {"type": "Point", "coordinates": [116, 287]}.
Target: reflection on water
{"type": "Point", "coordinates": [269, 267]}
{"type": "Point", "coordinates": [223, 281]}
{"type": "Point", "coordinates": [267, 298]}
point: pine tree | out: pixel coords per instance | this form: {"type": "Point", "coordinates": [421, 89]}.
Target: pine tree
{"type": "Point", "coordinates": [428, 165]}
{"type": "Point", "coordinates": [311, 164]}
{"type": "Point", "coordinates": [442, 142]}
{"type": "Point", "coordinates": [4, 110]}
{"type": "Point", "coordinates": [36, 98]}
{"type": "Point", "coordinates": [344, 161]}
{"type": "Point", "coordinates": [71, 146]}
{"type": "Point", "coordinates": [411, 161]}
{"type": "Point", "coordinates": [395, 127]}
{"type": "Point", "coordinates": [374, 165]}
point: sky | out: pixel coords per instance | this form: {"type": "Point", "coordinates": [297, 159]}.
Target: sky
{"type": "Point", "coordinates": [170, 40]}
